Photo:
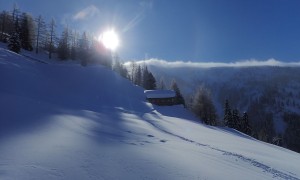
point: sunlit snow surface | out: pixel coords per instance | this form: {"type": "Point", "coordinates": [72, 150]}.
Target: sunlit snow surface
{"type": "Point", "coordinates": [73, 122]}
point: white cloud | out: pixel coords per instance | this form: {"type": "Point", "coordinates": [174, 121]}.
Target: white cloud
{"type": "Point", "coordinates": [87, 12]}
{"type": "Point", "coordinates": [245, 63]}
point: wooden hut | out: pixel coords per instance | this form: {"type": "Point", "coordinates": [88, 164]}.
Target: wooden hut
{"type": "Point", "coordinates": [161, 97]}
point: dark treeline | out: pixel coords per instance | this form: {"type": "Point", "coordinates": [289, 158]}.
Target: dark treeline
{"type": "Point", "coordinates": [262, 128]}
{"type": "Point", "coordinates": [20, 30]}
{"type": "Point", "coordinates": [232, 119]}
{"type": "Point", "coordinates": [141, 76]}
{"type": "Point", "coordinates": [257, 122]}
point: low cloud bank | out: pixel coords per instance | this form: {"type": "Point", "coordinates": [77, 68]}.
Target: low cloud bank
{"type": "Point", "coordinates": [245, 63]}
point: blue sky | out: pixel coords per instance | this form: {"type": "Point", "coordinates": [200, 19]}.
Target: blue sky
{"type": "Point", "coordinates": [186, 30]}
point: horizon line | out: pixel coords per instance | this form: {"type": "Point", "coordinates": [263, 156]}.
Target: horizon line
{"type": "Point", "coordinates": [243, 63]}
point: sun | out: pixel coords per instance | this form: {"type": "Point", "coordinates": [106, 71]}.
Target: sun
{"type": "Point", "coordinates": [110, 39]}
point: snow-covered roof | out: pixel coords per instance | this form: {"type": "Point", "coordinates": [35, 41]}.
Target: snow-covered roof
{"type": "Point", "coordinates": [160, 93]}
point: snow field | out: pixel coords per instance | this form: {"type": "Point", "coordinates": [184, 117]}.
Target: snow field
{"type": "Point", "coordinates": [70, 122]}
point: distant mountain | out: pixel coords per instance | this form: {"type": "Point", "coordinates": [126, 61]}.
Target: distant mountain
{"type": "Point", "coordinates": [268, 93]}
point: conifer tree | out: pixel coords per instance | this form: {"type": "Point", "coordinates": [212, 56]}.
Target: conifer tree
{"type": "Point", "coordinates": [148, 80]}
{"type": "Point", "coordinates": [41, 32]}
{"type": "Point", "coordinates": [119, 68]}
{"type": "Point", "coordinates": [133, 68]}
{"type": "Point", "coordinates": [15, 13]}
{"type": "Point", "coordinates": [74, 46]}
{"type": "Point", "coordinates": [52, 37]}
{"type": "Point", "coordinates": [17, 27]}
{"type": "Point", "coordinates": [145, 77]}
{"type": "Point", "coordinates": [161, 84]}
{"type": "Point", "coordinates": [228, 115]}
{"type": "Point", "coordinates": [291, 135]}
{"type": "Point", "coordinates": [151, 82]}
{"type": "Point", "coordinates": [14, 43]}
{"type": "Point", "coordinates": [6, 25]}
{"type": "Point", "coordinates": [179, 97]}
{"type": "Point", "coordinates": [246, 128]}
{"type": "Point", "coordinates": [123, 71]}
{"type": "Point", "coordinates": [83, 49]}
{"type": "Point", "coordinates": [63, 50]}
{"type": "Point", "coordinates": [3, 19]}
{"type": "Point", "coordinates": [138, 76]}
{"type": "Point", "coordinates": [73, 53]}
{"type": "Point", "coordinates": [203, 106]}
{"type": "Point", "coordinates": [26, 32]}
{"type": "Point", "coordinates": [236, 120]}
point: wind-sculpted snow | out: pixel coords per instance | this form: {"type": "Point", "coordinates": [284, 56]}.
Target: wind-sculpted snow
{"type": "Point", "coordinates": [64, 121]}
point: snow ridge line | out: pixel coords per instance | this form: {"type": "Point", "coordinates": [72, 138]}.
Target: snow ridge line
{"type": "Point", "coordinates": [34, 59]}
{"type": "Point", "coordinates": [266, 168]}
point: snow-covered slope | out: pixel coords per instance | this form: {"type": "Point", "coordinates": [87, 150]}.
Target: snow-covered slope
{"type": "Point", "coordinates": [73, 122]}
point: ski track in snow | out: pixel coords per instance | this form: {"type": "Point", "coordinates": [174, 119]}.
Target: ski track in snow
{"type": "Point", "coordinates": [276, 173]}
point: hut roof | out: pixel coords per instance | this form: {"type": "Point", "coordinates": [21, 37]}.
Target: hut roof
{"type": "Point", "coordinates": [160, 93]}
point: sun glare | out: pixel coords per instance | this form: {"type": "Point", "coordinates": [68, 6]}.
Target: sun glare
{"type": "Point", "coordinates": [110, 39]}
